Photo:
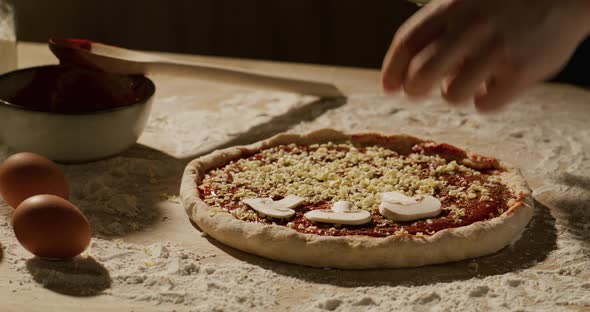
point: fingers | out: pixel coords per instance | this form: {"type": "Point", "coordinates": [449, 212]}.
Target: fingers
{"type": "Point", "coordinates": [421, 29]}
{"type": "Point", "coordinates": [448, 42]}
{"type": "Point", "coordinates": [497, 94]}
{"type": "Point", "coordinates": [473, 74]}
{"type": "Point", "coordinates": [438, 59]}
{"type": "Point", "coordinates": [505, 82]}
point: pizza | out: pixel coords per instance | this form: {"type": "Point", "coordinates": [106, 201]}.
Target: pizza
{"type": "Point", "coordinates": [365, 200]}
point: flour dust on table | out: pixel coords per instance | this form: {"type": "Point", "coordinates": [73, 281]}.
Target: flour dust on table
{"type": "Point", "coordinates": [197, 131]}
{"type": "Point", "coordinates": [553, 151]}
{"type": "Point", "coordinates": [160, 273]}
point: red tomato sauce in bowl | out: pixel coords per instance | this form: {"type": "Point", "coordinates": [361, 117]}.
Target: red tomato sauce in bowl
{"type": "Point", "coordinates": [67, 89]}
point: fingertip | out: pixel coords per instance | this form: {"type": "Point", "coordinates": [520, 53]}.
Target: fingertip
{"type": "Point", "coordinates": [447, 93]}
{"type": "Point", "coordinates": [413, 91]}
{"type": "Point", "coordinates": [485, 105]}
{"type": "Point", "coordinates": [389, 85]}
{"type": "Point", "coordinates": [481, 90]}
{"type": "Point", "coordinates": [414, 86]}
{"type": "Point", "coordinates": [416, 95]}
{"type": "Point", "coordinates": [453, 99]}
{"type": "Point", "coordinates": [498, 94]}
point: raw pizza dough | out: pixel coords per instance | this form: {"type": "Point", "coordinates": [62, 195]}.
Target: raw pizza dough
{"type": "Point", "coordinates": [282, 243]}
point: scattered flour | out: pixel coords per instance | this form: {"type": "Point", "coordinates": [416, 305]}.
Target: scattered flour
{"type": "Point", "coordinates": [547, 270]}
{"type": "Point", "coordinates": [186, 133]}
{"type": "Point", "coordinates": [121, 195]}
{"type": "Point", "coordinates": [161, 273]}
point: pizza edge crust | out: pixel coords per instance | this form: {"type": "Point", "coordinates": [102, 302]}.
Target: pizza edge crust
{"type": "Point", "coordinates": [352, 252]}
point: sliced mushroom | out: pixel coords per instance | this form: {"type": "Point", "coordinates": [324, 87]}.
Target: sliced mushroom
{"type": "Point", "coordinates": [399, 207]}
{"type": "Point", "coordinates": [290, 201]}
{"type": "Point", "coordinates": [276, 209]}
{"type": "Point", "coordinates": [341, 206]}
{"type": "Point", "coordinates": [341, 213]}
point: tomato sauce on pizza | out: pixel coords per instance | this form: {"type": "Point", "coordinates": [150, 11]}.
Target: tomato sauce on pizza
{"type": "Point", "coordinates": [327, 173]}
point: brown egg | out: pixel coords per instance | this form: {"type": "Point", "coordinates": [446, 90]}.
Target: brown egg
{"type": "Point", "coordinates": [24, 175]}
{"type": "Point", "coordinates": [50, 226]}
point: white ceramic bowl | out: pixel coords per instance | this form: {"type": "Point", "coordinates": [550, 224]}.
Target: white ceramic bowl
{"type": "Point", "coordinates": [75, 135]}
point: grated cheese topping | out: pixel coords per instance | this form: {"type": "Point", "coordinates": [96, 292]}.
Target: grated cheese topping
{"type": "Point", "coordinates": [343, 172]}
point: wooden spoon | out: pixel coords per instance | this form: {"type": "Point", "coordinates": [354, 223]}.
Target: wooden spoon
{"type": "Point", "coordinates": [124, 61]}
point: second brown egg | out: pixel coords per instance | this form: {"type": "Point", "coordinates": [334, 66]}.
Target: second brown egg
{"type": "Point", "coordinates": [51, 227]}
{"type": "Point", "coordinates": [24, 175]}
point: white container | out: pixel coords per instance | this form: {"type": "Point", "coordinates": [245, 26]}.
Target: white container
{"type": "Point", "coordinates": [70, 137]}
{"type": "Point", "coordinates": [7, 36]}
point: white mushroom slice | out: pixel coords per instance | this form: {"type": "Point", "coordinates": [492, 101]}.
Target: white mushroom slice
{"type": "Point", "coordinates": [276, 209]}
{"type": "Point", "coordinates": [290, 201]}
{"type": "Point", "coordinates": [341, 213]}
{"type": "Point", "coordinates": [341, 206]}
{"type": "Point", "coordinates": [399, 207]}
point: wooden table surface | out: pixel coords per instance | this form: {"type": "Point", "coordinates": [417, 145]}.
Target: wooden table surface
{"type": "Point", "coordinates": [545, 133]}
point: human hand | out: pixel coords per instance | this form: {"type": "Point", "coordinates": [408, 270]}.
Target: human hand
{"type": "Point", "coordinates": [485, 50]}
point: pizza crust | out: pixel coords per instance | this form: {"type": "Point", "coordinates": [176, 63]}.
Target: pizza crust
{"type": "Point", "coordinates": [353, 252]}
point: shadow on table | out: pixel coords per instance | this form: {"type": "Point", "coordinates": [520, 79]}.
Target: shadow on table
{"type": "Point", "coordinates": [538, 240]}
{"type": "Point", "coordinates": [576, 209]}
{"type": "Point", "coordinates": [149, 193]}
{"type": "Point", "coordinates": [575, 181]}
{"type": "Point", "coordinates": [278, 124]}
{"type": "Point", "coordinates": [121, 194]}
{"type": "Point", "coordinates": [81, 276]}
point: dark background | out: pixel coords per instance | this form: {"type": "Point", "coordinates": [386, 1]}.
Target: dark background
{"type": "Point", "coordinates": [342, 32]}
{"type": "Point", "coordinates": [337, 32]}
